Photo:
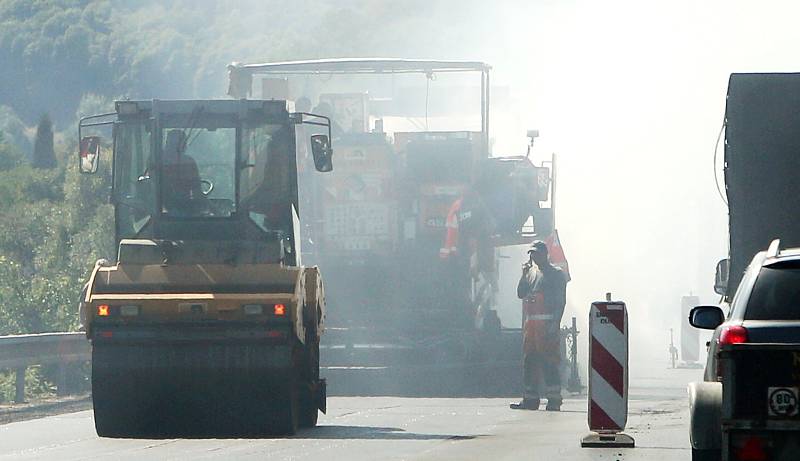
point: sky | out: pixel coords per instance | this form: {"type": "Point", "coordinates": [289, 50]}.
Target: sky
{"type": "Point", "coordinates": [631, 98]}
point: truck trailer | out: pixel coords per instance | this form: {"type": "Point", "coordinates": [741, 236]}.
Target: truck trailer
{"type": "Point", "coordinates": [748, 356]}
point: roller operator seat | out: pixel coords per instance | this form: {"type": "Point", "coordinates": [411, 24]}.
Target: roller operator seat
{"type": "Point", "coordinates": [182, 189]}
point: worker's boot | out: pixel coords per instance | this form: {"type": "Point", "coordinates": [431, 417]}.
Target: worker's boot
{"type": "Point", "coordinates": [525, 404]}
{"type": "Point", "coordinates": [553, 404]}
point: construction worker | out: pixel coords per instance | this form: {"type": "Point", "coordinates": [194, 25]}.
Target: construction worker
{"type": "Point", "coordinates": [182, 186]}
{"type": "Point", "coordinates": [450, 246]}
{"type": "Point", "coordinates": [543, 293]}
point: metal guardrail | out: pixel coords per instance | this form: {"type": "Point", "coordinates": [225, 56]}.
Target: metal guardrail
{"type": "Point", "coordinates": [22, 351]}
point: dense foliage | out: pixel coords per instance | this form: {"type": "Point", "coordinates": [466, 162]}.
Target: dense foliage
{"type": "Point", "coordinates": [55, 51]}
{"type": "Point", "coordinates": [53, 225]}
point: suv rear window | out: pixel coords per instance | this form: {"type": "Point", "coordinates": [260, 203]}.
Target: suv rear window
{"type": "Point", "coordinates": [775, 295]}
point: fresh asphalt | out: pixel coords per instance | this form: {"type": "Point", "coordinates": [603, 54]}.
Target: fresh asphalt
{"type": "Point", "coordinates": [399, 428]}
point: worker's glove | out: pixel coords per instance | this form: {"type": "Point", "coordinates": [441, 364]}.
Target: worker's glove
{"type": "Point", "coordinates": [526, 267]}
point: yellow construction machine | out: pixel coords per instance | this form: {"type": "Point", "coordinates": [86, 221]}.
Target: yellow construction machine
{"type": "Point", "coordinates": [207, 323]}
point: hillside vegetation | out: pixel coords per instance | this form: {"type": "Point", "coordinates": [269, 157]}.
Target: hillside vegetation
{"type": "Point", "coordinates": [61, 59]}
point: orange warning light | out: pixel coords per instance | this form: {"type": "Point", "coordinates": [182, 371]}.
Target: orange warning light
{"type": "Point", "coordinates": [103, 310]}
{"type": "Point", "coordinates": [280, 309]}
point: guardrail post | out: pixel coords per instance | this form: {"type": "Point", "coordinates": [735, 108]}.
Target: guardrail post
{"type": "Point", "coordinates": [19, 396]}
{"type": "Point", "coordinates": [61, 380]}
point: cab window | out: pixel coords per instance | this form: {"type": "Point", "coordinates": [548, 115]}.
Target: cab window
{"type": "Point", "coordinates": [198, 167]}
{"type": "Point", "coordinates": [134, 191]}
{"type": "Point", "coordinates": [775, 295]}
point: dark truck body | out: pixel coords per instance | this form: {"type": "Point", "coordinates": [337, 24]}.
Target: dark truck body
{"type": "Point", "coordinates": [760, 418]}
{"type": "Point", "coordinates": [762, 143]}
{"type": "Point", "coordinates": [762, 157]}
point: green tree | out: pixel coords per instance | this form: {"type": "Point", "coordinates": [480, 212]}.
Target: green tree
{"type": "Point", "coordinates": [44, 155]}
{"type": "Point", "coordinates": [9, 155]}
{"type": "Point", "coordinates": [94, 104]}
{"type": "Point", "coordinates": [14, 131]}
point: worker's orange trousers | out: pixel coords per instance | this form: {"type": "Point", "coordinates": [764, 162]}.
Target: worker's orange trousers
{"type": "Point", "coordinates": [540, 350]}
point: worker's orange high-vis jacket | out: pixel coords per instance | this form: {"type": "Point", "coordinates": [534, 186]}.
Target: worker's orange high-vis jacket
{"type": "Point", "coordinates": [537, 337]}
{"type": "Point", "coordinates": [450, 246]}
{"type": "Point", "coordinates": [543, 294]}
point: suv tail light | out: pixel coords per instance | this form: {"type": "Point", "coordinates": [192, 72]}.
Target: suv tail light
{"type": "Point", "coordinates": [733, 334]}
{"type": "Point", "coordinates": [750, 448]}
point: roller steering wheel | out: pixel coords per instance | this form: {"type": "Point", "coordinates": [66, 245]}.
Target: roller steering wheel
{"type": "Point", "coordinates": [209, 184]}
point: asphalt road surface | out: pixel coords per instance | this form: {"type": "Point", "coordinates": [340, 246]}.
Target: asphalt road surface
{"type": "Point", "coordinates": [396, 428]}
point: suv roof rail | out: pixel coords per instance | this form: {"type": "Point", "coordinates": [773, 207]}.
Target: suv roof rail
{"type": "Point", "coordinates": [774, 248]}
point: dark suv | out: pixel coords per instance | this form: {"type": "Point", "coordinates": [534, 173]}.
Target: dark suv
{"type": "Point", "coordinates": [765, 309]}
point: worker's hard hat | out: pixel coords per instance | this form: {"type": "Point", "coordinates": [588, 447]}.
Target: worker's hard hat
{"type": "Point", "coordinates": [538, 246]}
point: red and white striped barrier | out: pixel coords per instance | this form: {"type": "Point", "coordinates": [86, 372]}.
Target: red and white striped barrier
{"type": "Point", "coordinates": [608, 374]}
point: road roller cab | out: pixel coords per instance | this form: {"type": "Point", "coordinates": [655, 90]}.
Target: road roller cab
{"type": "Point", "coordinates": [207, 322]}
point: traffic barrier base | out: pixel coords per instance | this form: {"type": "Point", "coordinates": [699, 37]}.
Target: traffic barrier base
{"type": "Point", "coordinates": [618, 440]}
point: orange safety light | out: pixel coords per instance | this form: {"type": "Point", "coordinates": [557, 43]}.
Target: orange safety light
{"type": "Point", "coordinates": [103, 310]}
{"type": "Point", "coordinates": [280, 309]}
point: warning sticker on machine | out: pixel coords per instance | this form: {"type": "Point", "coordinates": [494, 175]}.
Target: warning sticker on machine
{"type": "Point", "coordinates": [782, 401]}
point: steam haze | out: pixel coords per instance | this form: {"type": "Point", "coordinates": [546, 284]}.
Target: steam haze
{"type": "Point", "coordinates": [162, 262]}
{"type": "Point", "coordinates": [630, 95]}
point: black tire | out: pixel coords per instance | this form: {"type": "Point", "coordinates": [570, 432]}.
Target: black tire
{"type": "Point", "coordinates": [309, 416]}
{"type": "Point", "coordinates": [107, 420]}
{"type": "Point", "coordinates": [706, 455]}
{"type": "Point", "coordinates": [309, 375]}
{"type": "Point", "coordinates": [309, 413]}
{"type": "Point", "coordinates": [288, 413]}
{"type": "Point", "coordinates": [114, 399]}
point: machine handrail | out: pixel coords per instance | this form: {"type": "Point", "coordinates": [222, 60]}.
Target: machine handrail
{"type": "Point", "coordinates": [363, 65]}
{"type": "Point", "coordinates": [240, 75]}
